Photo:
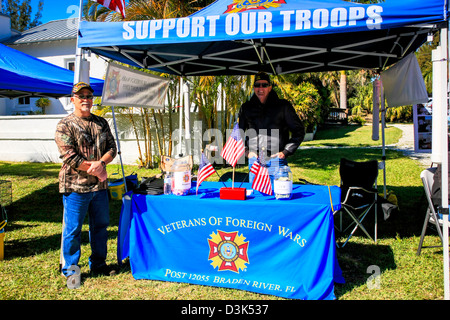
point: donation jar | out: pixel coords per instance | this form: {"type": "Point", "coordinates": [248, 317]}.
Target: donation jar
{"type": "Point", "coordinates": [282, 183]}
{"type": "Point", "coordinates": [181, 179]}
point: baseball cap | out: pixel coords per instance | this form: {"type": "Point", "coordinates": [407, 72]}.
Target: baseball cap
{"type": "Point", "coordinates": [81, 85]}
{"type": "Point", "coordinates": [262, 76]}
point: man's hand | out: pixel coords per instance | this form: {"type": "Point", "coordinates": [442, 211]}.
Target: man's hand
{"type": "Point", "coordinates": [278, 155]}
{"type": "Point", "coordinates": [251, 154]}
{"type": "Point", "coordinates": [97, 169]}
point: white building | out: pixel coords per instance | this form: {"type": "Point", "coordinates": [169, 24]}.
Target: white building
{"type": "Point", "coordinates": [25, 137]}
{"type": "Point", "coordinates": [54, 42]}
{"type": "Point", "coordinates": [31, 137]}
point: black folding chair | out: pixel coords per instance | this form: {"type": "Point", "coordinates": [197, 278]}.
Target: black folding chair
{"type": "Point", "coordinates": [358, 195]}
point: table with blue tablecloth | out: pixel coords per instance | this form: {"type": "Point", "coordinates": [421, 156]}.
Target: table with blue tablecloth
{"type": "Point", "coordinates": [284, 248]}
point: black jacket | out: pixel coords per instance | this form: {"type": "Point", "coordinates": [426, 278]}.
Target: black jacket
{"type": "Point", "coordinates": [276, 113]}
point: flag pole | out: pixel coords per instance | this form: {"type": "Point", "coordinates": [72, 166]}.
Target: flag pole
{"type": "Point", "coordinates": [232, 185]}
{"type": "Point", "coordinates": [77, 74]}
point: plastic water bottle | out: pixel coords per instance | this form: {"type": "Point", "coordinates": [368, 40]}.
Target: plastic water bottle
{"type": "Point", "coordinates": [168, 183]}
{"type": "Point", "coordinates": [282, 182]}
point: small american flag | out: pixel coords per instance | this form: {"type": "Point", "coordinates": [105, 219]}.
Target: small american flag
{"type": "Point", "coordinates": [261, 182]}
{"type": "Point", "coordinates": [205, 169]}
{"type": "Point", "coordinates": [234, 147]}
{"type": "Point", "coordinates": [115, 5]}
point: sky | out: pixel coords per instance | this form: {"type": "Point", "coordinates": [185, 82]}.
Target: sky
{"type": "Point", "coordinates": [56, 9]}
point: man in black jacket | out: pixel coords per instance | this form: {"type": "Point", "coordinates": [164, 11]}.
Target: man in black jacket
{"type": "Point", "coordinates": [270, 123]}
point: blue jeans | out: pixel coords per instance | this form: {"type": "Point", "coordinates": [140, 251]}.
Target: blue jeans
{"type": "Point", "coordinates": [272, 166]}
{"type": "Point", "coordinates": [76, 205]}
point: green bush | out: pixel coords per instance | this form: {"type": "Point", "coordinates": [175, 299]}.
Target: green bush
{"type": "Point", "coordinates": [306, 101]}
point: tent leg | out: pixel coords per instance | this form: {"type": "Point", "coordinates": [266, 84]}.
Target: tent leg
{"type": "Point", "coordinates": [180, 125]}
{"type": "Point", "coordinates": [187, 121]}
{"type": "Point", "coordinates": [440, 139]}
{"type": "Point", "coordinates": [78, 51]}
{"type": "Point", "coordinates": [61, 256]}
{"type": "Point", "coordinates": [383, 139]}
{"type": "Point", "coordinates": [118, 150]}
{"type": "Point", "coordinates": [444, 187]}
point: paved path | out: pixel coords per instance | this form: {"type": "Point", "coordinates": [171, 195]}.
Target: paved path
{"type": "Point", "coordinates": [406, 145]}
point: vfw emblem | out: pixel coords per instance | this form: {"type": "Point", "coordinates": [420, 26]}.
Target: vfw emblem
{"type": "Point", "coordinates": [243, 5]}
{"type": "Point", "coordinates": [228, 251]}
{"type": "Point", "coordinates": [112, 86]}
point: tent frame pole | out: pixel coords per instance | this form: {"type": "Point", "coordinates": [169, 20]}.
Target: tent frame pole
{"type": "Point", "coordinates": [78, 51]}
{"type": "Point", "coordinates": [119, 152]}
{"type": "Point", "coordinates": [444, 164]}
{"type": "Point", "coordinates": [180, 118]}
{"type": "Point", "coordinates": [383, 138]}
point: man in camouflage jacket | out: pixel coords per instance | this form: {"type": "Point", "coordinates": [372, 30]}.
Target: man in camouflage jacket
{"type": "Point", "coordinates": [86, 146]}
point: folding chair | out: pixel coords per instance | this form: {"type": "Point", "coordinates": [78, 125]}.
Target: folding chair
{"type": "Point", "coordinates": [427, 176]}
{"type": "Point", "coordinates": [358, 194]}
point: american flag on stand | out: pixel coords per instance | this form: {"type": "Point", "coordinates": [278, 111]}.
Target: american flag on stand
{"type": "Point", "coordinates": [261, 182]}
{"type": "Point", "coordinates": [115, 5]}
{"type": "Point", "coordinates": [205, 169]}
{"type": "Point", "coordinates": [234, 147]}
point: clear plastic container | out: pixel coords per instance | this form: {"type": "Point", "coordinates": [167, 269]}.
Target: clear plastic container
{"type": "Point", "coordinates": [181, 179]}
{"type": "Point", "coordinates": [282, 182]}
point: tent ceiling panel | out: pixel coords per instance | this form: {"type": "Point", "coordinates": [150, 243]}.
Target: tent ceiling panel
{"type": "Point", "coordinates": [356, 50]}
{"type": "Point", "coordinates": [243, 37]}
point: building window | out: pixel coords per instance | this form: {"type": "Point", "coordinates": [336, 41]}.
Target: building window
{"type": "Point", "coordinates": [70, 64]}
{"type": "Point", "coordinates": [24, 101]}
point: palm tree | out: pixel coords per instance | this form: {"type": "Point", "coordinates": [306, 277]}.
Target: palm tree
{"type": "Point", "coordinates": [424, 59]}
{"type": "Point", "coordinates": [147, 10]}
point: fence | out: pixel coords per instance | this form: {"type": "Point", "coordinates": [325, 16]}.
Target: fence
{"type": "Point", "coordinates": [32, 138]}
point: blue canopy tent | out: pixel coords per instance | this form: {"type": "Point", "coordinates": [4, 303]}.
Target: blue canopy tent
{"type": "Point", "coordinates": [232, 37]}
{"type": "Point", "coordinates": [23, 75]}
{"type": "Point", "coordinates": [277, 36]}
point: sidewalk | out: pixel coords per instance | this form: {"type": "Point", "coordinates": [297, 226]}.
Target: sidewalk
{"type": "Point", "coordinates": [406, 145]}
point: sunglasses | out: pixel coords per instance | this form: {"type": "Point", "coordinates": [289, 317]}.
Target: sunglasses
{"type": "Point", "coordinates": [261, 85]}
{"type": "Point", "coordinates": [80, 96]}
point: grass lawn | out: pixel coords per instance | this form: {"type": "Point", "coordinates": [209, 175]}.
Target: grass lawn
{"type": "Point", "coordinates": [30, 269]}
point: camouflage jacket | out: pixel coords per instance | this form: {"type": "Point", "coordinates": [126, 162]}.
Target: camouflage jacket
{"type": "Point", "coordinates": [79, 139]}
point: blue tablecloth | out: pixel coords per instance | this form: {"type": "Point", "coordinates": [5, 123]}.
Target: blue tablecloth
{"type": "Point", "coordinates": [280, 247]}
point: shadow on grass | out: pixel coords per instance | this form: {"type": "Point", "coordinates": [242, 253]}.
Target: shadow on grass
{"type": "Point", "coordinates": [359, 262]}
{"type": "Point", "coordinates": [44, 206]}
{"type": "Point", "coordinates": [40, 244]}
{"type": "Point", "coordinates": [321, 166]}
{"type": "Point", "coordinates": [404, 222]}
{"type": "Point", "coordinates": [31, 169]}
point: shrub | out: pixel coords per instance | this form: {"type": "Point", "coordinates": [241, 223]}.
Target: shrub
{"type": "Point", "coordinates": [306, 101]}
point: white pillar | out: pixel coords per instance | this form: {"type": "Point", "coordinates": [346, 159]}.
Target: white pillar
{"type": "Point", "coordinates": [440, 138]}
{"type": "Point", "coordinates": [187, 118]}
{"type": "Point", "coordinates": [78, 51]}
